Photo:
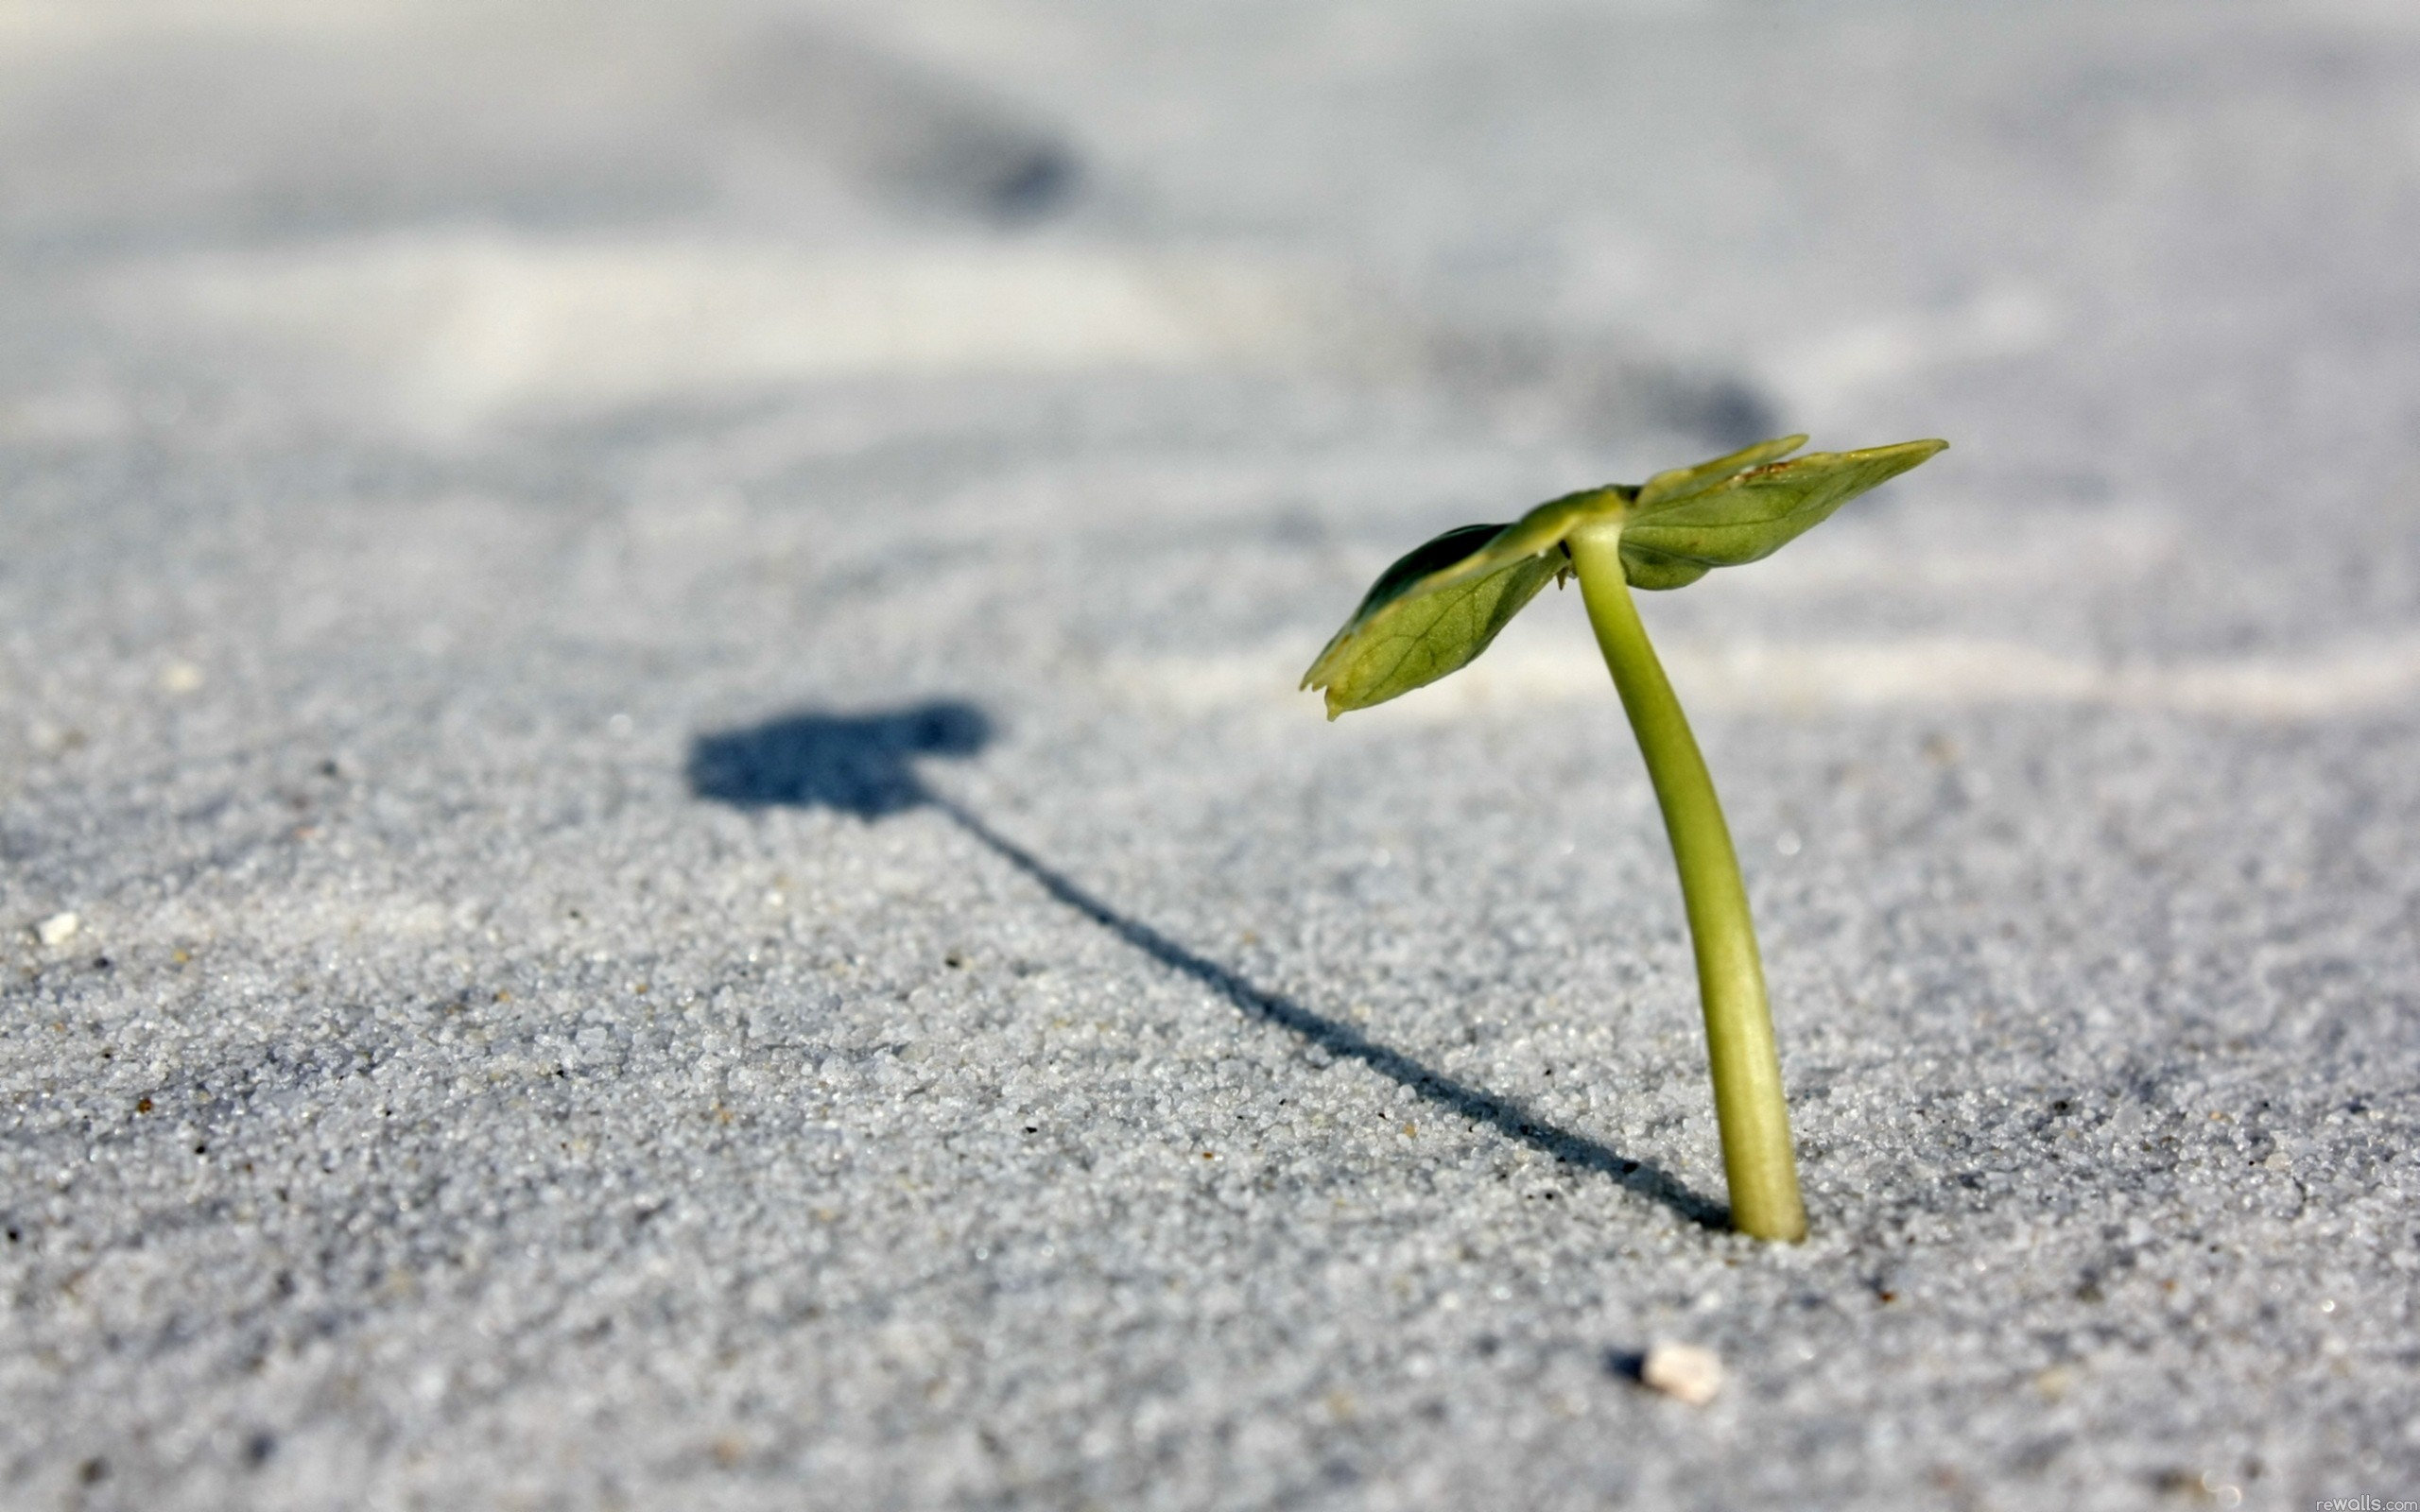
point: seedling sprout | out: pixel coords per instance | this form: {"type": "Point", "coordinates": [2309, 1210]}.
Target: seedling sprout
{"type": "Point", "coordinates": [1435, 610]}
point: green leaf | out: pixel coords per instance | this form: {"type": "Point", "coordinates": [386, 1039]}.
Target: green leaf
{"type": "Point", "coordinates": [1436, 610]}
{"type": "Point", "coordinates": [1427, 615]}
{"type": "Point", "coordinates": [1673, 538]}
{"type": "Point", "coordinates": [1683, 481]}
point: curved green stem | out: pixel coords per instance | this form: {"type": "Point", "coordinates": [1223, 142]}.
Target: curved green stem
{"type": "Point", "coordinates": [1756, 1157]}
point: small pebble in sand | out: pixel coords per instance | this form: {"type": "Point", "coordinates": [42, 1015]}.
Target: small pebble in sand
{"type": "Point", "coordinates": [57, 929]}
{"type": "Point", "coordinates": [1683, 1370]}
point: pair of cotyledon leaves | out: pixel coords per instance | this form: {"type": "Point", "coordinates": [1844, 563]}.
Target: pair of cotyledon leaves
{"type": "Point", "coordinates": [1436, 610]}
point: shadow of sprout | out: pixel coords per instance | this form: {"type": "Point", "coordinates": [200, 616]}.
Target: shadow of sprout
{"type": "Point", "coordinates": [865, 765]}
{"type": "Point", "coordinates": [858, 764]}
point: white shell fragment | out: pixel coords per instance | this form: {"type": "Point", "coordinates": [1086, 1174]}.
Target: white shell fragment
{"type": "Point", "coordinates": [57, 929]}
{"type": "Point", "coordinates": [1683, 1371]}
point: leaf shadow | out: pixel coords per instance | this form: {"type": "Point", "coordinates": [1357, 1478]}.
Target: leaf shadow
{"type": "Point", "coordinates": [860, 763]}
{"type": "Point", "coordinates": [865, 765]}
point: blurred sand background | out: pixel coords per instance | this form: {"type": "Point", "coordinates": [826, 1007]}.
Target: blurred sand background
{"type": "Point", "coordinates": [654, 647]}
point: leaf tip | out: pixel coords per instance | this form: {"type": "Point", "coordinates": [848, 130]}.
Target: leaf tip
{"type": "Point", "coordinates": [1909, 456]}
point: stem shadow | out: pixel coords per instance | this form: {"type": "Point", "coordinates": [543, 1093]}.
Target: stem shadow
{"type": "Point", "coordinates": [862, 765]}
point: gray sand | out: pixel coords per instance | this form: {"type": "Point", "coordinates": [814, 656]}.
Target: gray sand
{"type": "Point", "coordinates": [655, 645]}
